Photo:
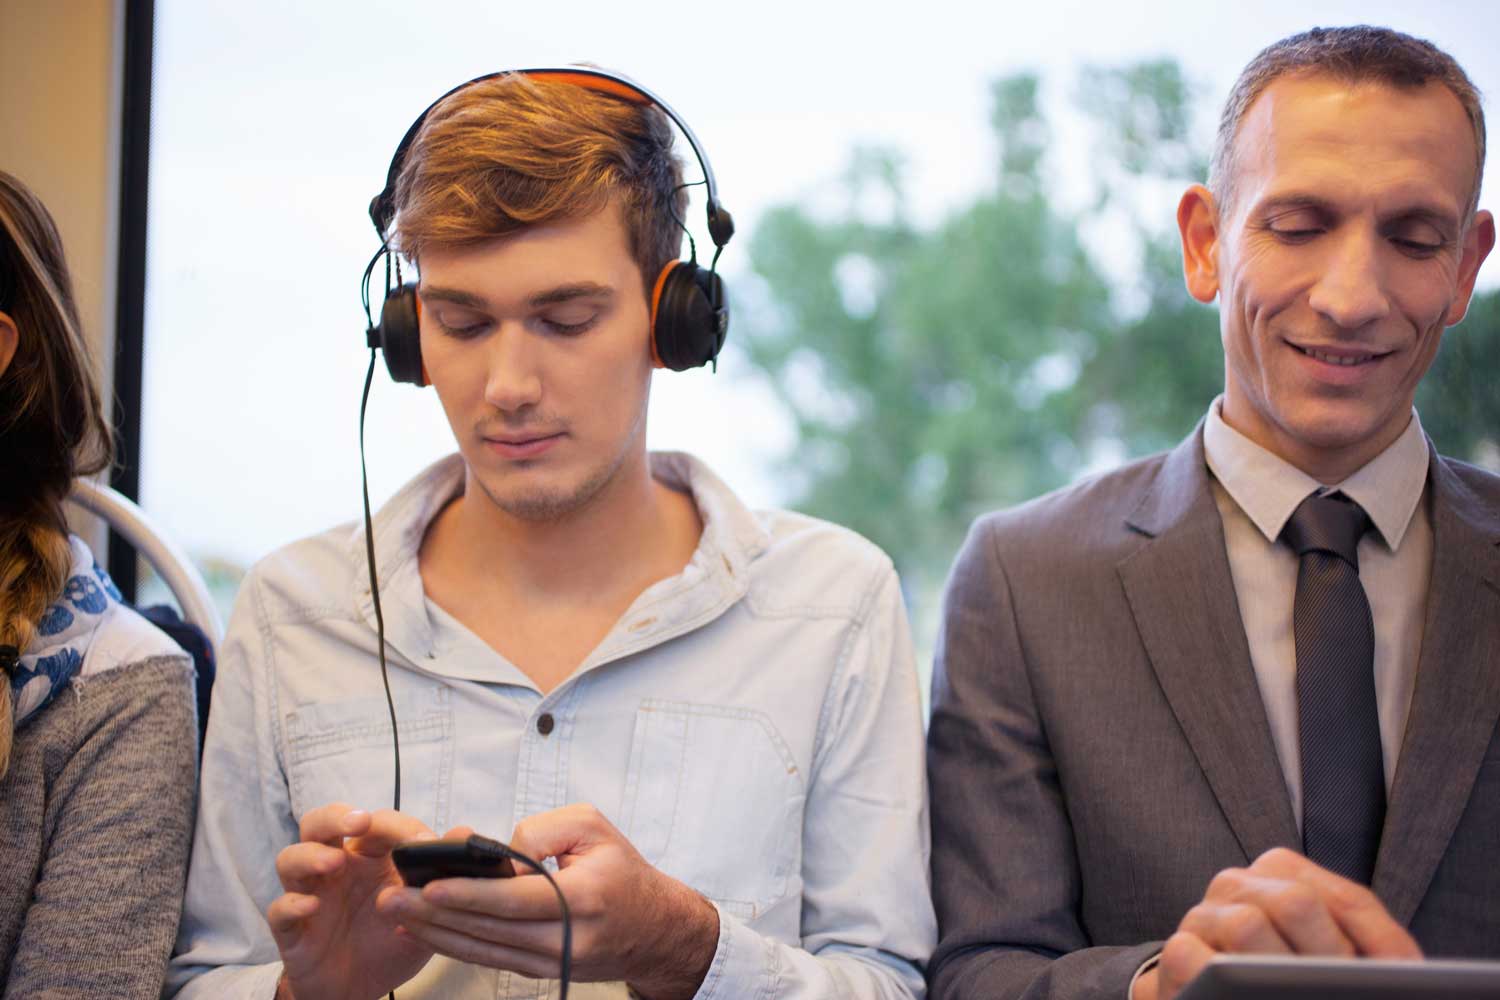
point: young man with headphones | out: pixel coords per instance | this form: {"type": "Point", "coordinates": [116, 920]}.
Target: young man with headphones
{"type": "Point", "coordinates": [708, 717]}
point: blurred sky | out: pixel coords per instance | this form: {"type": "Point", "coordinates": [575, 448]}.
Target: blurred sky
{"type": "Point", "coordinates": [274, 123]}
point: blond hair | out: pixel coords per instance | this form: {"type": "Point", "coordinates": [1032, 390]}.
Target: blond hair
{"type": "Point", "coordinates": [512, 152]}
{"type": "Point", "coordinates": [52, 425]}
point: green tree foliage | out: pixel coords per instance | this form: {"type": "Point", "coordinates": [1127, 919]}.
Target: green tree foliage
{"type": "Point", "coordinates": [921, 365]}
{"type": "Point", "coordinates": [1459, 400]}
{"type": "Point", "coordinates": [938, 372]}
{"type": "Point", "coordinates": [1154, 369]}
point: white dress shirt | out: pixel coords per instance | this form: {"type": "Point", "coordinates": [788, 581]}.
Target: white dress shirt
{"type": "Point", "coordinates": [752, 725]}
{"type": "Point", "coordinates": [1256, 492]}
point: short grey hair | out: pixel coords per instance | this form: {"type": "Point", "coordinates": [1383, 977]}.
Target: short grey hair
{"type": "Point", "coordinates": [1359, 54]}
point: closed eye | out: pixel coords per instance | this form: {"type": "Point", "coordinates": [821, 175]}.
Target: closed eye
{"type": "Point", "coordinates": [1296, 235]}
{"type": "Point", "coordinates": [1295, 223]}
{"type": "Point", "coordinates": [462, 324]}
{"type": "Point", "coordinates": [568, 329]}
{"type": "Point", "coordinates": [569, 319]}
{"type": "Point", "coordinates": [464, 332]}
{"type": "Point", "coordinates": [1417, 236]}
{"type": "Point", "coordinates": [1417, 247]}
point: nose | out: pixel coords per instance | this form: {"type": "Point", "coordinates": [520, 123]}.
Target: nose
{"type": "Point", "coordinates": [514, 380]}
{"type": "Point", "coordinates": [1351, 289]}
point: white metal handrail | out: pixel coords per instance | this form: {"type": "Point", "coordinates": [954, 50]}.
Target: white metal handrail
{"type": "Point", "coordinates": [170, 563]}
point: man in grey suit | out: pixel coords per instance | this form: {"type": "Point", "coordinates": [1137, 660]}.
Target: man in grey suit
{"type": "Point", "coordinates": [1243, 697]}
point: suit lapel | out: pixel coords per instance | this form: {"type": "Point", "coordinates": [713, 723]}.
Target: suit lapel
{"type": "Point", "coordinates": [1456, 701]}
{"type": "Point", "coordinates": [1181, 593]}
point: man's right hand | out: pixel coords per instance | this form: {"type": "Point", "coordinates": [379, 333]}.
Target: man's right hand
{"type": "Point", "coordinates": [334, 944]}
{"type": "Point", "coordinates": [1283, 904]}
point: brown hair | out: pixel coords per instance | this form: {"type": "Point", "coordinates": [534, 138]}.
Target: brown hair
{"type": "Point", "coordinates": [504, 154]}
{"type": "Point", "coordinates": [1359, 54]}
{"type": "Point", "coordinates": [52, 425]}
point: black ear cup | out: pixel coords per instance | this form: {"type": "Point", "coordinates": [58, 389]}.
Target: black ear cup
{"type": "Point", "coordinates": [690, 317]}
{"type": "Point", "coordinates": [399, 334]}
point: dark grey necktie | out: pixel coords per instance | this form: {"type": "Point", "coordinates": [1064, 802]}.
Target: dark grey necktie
{"type": "Point", "coordinates": [1343, 779]}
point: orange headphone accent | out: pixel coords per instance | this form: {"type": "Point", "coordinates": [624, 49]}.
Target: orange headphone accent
{"type": "Point", "coordinates": [592, 81]}
{"type": "Point", "coordinates": [417, 298]}
{"type": "Point", "coordinates": [661, 282]}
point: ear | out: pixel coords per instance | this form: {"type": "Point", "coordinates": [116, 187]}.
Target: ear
{"type": "Point", "coordinates": [9, 337]}
{"type": "Point", "coordinates": [1478, 242]}
{"type": "Point", "coordinates": [1198, 224]}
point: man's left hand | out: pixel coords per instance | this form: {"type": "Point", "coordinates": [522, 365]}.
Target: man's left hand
{"type": "Point", "coordinates": [631, 922]}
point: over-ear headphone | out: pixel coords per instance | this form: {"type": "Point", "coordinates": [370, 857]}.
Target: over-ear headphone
{"type": "Point", "coordinates": [689, 306]}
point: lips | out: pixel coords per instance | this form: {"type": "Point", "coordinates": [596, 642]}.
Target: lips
{"type": "Point", "coordinates": [522, 446]}
{"type": "Point", "coordinates": [520, 441]}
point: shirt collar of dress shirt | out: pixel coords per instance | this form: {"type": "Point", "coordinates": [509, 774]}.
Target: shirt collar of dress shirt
{"type": "Point", "coordinates": [715, 578]}
{"type": "Point", "coordinates": [1268, 488]}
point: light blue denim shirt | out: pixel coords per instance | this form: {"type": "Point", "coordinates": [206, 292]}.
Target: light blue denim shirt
{"type": "Point", "coordinates": [752, 725]}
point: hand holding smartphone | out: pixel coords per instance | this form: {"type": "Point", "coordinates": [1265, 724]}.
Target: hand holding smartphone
{"type": "Point", "coordinates": [423, 861]}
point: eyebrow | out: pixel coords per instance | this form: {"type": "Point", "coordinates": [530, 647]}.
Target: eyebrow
{"type": "Point", "coordinates": [567, 293]}
{"type": "Point", "coordinates": [1440, 217]}
{"type": "Point", "coordinates": [436, 293]}
{"type": "Point", "coordinates": [551, 297]}
{"type": "Point", "coordinates": [1293, 202]}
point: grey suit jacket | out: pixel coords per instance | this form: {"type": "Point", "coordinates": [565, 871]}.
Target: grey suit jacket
{"type": "Point", "coordinates": [1099, 749]}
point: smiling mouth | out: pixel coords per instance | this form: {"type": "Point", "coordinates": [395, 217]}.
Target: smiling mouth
{"type": "Point", "coordinates": [1345, 360]}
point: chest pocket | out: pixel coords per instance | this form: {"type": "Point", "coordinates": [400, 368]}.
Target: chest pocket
{"type": "Point", "coordinates": [713, 797]}
{"type": "Point", "coordinates": [340, 751]}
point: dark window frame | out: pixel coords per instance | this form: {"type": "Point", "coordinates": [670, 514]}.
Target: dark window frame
{"type": "Point", "coordinates": [130, 272]}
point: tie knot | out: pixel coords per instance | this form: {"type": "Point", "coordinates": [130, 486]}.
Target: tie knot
{"type": "Point", "coordinates": [1332, 523]}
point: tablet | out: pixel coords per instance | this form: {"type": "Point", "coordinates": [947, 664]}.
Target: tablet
{"type": "Point", "coordinates": [1272, 977]}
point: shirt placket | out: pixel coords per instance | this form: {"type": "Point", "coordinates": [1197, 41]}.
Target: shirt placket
{"type": "Point", "coordinates": [541, 786]}
{"type": "Point", "coordinates": [542, 764]}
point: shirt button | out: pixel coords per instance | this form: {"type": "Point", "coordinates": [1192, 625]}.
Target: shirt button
{"type": "Point", "coordinates": [544, 723]}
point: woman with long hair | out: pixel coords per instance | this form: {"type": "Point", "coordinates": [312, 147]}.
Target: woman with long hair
{"type": "Point", "coordinates": [97, 727]}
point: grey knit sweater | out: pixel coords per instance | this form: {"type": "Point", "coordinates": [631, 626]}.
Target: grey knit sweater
{"type": "Point", "coordinates": [96, 818]}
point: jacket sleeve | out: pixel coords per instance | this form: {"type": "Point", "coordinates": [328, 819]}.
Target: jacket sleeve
{"type": "Point", "coordinates": [867, 922]}
{"type": "Point", "coordinates": [225, 948]}
{"type": "Point", "coordinates": [1006, 879]}
{"type": "Point", "coordinates": [119, 823]}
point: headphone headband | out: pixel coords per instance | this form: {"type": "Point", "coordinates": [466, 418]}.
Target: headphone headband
{"type": "Point", "coordinates": [720, 223]}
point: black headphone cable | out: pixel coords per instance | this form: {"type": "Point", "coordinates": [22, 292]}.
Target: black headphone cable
{"type": "Point", "coordinates": [565, 971]}
{"type": "Point", "coordinates": [364, 482]}
{"type": "Point", "coordinates": [385, 676]}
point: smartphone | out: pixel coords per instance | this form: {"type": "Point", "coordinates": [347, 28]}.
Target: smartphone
{"type": "Point", "coordinates": [423, 861]}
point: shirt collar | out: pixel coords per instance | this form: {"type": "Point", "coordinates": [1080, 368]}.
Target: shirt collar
{"type": "Point", "coordinates": [729, 527]}
{"type": "Point", "coordinates": [715, 578]}
{"type": "Point", "coordinates": [1268, 488]}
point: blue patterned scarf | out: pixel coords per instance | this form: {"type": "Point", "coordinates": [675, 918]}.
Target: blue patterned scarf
{"type": "Point", "coordinates": [63, 635]}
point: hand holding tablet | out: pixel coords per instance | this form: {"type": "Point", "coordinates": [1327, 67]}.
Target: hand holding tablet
{"type": "Point", "coordinates": [1282, 905]}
